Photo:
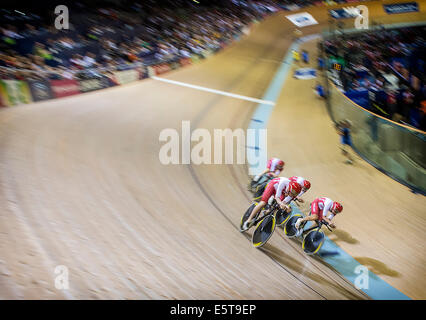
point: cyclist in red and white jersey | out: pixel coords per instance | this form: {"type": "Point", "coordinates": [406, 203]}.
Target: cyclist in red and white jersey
{"type": "Point", "coordinates": [273, 168]}
{"type": "Point", "coordinates": [283, 190]}
{"type": "Point", "coordinates": [320, 207]}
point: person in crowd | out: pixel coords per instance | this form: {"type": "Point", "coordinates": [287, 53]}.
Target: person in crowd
{"type": "Point", "coordinates": [319, 90]}
{"type": "Point", "coordinates": [296, 56]}
{"type": "Point", "coordinates": [343, 128]}
{"type": "Point", "coordinates": [321, 63]}
{"type": "Point", "coordinates": [305, 56]}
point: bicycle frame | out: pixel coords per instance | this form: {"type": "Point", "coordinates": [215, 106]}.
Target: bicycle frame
{"type": "Point", "coordinates": [266, 212]}
{"type": "Point", "coordinates": [318, 227]}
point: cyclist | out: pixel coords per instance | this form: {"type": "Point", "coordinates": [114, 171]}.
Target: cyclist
{"type": "Point", "coordinates": [283, 190]}
{"type": "Point", "coordinates": [273, 168]}
{"type": "Point", "coordinates": [319, 209]}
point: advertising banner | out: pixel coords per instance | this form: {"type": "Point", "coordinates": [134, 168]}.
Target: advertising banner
{"type": "Point", "coordinates": [330, 3]}
{"type": "Point", "coordinates": [40, 90]}
{"type": "Point", "coordinates": [196, 58]}
{"type": "Point", "coordinates": [14, 92]}
{"type": "Point", "coordinates": [143, 72]}
{"type": "Point", "coordinates": [93, 84]}
{"type": "Point", "coordinates": [302, 19]}
{"type": "Point", "coordinates": [64, 88]}
{"type": "Point", "coordinates": [151, 71]}
{"type": "Point", "coordinates": [246, 31]}
{"type": "Point", "coordinates": [3, 95]}
{"type": "Point", "coordinates": [185, 62]}
{"type": "Point", "coordinates": [161, 68]}
{"type": "Point", "coordinates": [127, 76]}
{"type": "Point", "coordinates": [206, 53]}
{"type": "Point", "coordinates": [174, 64]}
{"type": "Point", "coordinates": [344, 13]}
{"type": "Point", "coordinates": [401, 7]}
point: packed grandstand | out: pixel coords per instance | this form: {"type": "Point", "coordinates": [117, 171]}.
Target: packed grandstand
{"type": "Point", "coordinates": [121, 43]}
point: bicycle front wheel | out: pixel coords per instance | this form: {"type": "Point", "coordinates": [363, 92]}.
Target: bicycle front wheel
{"type": "Point", "coordinates": [264, 230]}
{"type": "Point", "coordinates": [247, 215]}
{"type": "Point", "coordinates": [313, 241]}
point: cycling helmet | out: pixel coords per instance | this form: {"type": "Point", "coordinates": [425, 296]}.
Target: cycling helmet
{"type": "Point", "coordinates": [306, 184]}
{"type": "Point", "coordinates": [337, 207]}
{"type": "Point", "coordinates": [294, 189]}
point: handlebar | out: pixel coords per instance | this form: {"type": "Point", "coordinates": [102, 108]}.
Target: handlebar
{"type": "Point", "coordinates": [324, 223]}
{"type": "Point", "coordinates": [275, 204]}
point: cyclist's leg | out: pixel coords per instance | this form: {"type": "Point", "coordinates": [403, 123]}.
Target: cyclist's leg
{"type": "Point", "coordinates": [256, 210]}
{"type": "Point", "coordinates": [256, 178]}
{"type": "Point", "coordinates": [313, 215]}
{"type": "Point", "coordinates": [269, 191]}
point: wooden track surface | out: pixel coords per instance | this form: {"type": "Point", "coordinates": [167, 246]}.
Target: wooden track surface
{"type": "Point", "coordinates": [81, 185]}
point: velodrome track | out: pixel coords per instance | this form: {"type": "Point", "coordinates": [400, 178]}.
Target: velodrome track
{"type": "Point", "coordinates": [81, 185]}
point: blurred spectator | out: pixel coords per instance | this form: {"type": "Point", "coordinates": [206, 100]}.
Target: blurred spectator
{"type": "Point", "coordinates": [321, 63]}
{"type": "Point", "coordinates": [305, 56]}
{"type": "Point", "coordinates": [319, 90]}
{"type": "Point", "coordinates": [116, 36]}
{"type": "Point", "coordinates": [296, 56]}
{"type": "Point", "coordinates": [343, 128]}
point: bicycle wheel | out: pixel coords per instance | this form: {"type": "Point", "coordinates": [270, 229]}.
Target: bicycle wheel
{"type": "Point", "coordinates": [258, 192]}
{"type": "Point", "coordinates": [313, 241]}
{"type": "Point", "coordinates": [264, 230]}
{"type": "Point", "coordinates": [282, 217]}
{"type": "Point", "coordinates": [289, 229]}
{"type": "Point", "coordinates": [246, 215]}
{"type": "Point", "coordinates": [255, 186]}
{"type": "Point", "coordinates": [251, 186]}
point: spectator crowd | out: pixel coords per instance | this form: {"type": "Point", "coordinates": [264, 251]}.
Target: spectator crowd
{"type": "Point", "coordinates": [103, 39]}
{"type": "Point", "coordinates": [385, 65]}
{"type": "Point", "coordinates": [115, 37]}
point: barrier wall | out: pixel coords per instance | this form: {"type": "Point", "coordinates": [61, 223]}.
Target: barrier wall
{"type": "Point", "coordinates": [14, 92]}
{"type": "Point", "coordinates": [399, 151]}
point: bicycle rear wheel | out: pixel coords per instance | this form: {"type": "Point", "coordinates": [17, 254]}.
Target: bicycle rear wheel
{"type": "Point", "coordinates": [258, 192]}
{"type": "Point", "coordinates": [264, 230]}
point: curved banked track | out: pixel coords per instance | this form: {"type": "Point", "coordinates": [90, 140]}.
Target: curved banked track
{"type": "Point", "coordinates": [81, 185]}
